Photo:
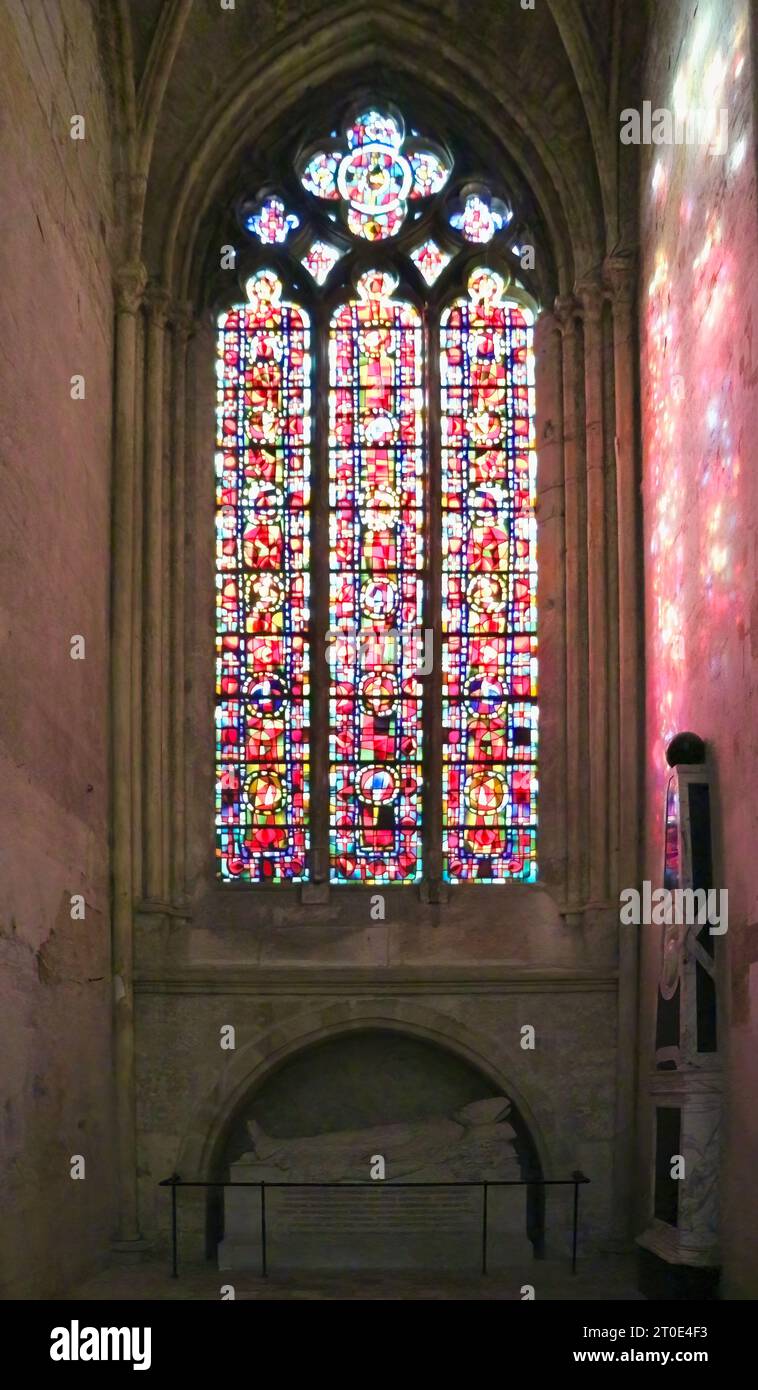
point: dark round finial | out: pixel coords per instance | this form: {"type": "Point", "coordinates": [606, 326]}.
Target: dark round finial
{"type": "Point", "coordinates": [685, 748]}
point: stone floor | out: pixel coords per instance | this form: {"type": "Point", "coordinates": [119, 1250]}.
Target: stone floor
{"type": "Point", "coordinates": [607, 1279]}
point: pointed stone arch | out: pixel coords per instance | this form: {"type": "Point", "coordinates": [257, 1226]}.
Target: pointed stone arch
{"type": "Point", "coordinates": [252, 1064]}
{"type": "Point", "coordinates": [327, 51]}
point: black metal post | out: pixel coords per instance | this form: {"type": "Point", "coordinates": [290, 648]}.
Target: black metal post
{"type": "Point", "coordinates": [484, 1228]}
{"type": "Point", "coordinates": [264, 1265]}
{"type": "Point", "coordinates": [576, 1223]}
{"type": "Point", "coordinates": [174, 1256]}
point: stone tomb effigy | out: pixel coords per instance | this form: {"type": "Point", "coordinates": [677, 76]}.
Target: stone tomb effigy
{"type": "Point", "coordinates": [382, 1226]}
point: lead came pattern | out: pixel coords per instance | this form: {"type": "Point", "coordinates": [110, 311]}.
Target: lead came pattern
{"type": "Point", "coordinates": [489, 574]}
{"type": "Point", "coordinates": [376, 443]}
{"type": "Point", "coordinates": [262, 587]}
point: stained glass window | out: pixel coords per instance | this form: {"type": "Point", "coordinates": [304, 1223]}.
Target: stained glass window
{"type": "Point", "coordinates": [376, 500]}
{"type": "Point", "coordinates": [489, 661]}
{"type": "Point", "coordinates": [414, 518]}
{"type": "Point", "coordinates": [262, 586]}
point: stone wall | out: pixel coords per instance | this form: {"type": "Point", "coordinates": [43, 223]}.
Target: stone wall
{"type": "Point", "coordinates": [699, 308]}
{"type": "Point", "coordinates": [55, 321]}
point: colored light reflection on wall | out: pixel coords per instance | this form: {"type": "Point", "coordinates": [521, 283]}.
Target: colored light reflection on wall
{"type": "Point", "coordinates": [691, 373]}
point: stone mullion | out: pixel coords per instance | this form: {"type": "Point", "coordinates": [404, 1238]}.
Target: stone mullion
{"type": "Point", "coordinates": [566, 311]}
{"type": "Point", "coordinates": [432, 815]}
{"type": "Point", "coordinates": [597, 632]}
{"type": "Point", "coordinates": [130, 287]}
{"type": "Point", "coordinates": [319, 569]}
{"type": "Point", "coordinates": [153, 627]}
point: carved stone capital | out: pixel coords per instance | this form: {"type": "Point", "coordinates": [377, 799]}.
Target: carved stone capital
{"type": "Point", "coordinates": [158, 301]}
{"type": "Point", "coordinates": [590, 295]}
{"type": "Point", "coordinates": [183, 319]}
{"type": "Point", "coordinates": [566, 309]}
{"type": "Point", "coordinates": [620, 276]}
{"type": "Point", "coordinates": [130, 283]}
{"type": "Point", "coordinates": [546, 322]}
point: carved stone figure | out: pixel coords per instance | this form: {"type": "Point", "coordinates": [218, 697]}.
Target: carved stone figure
{"type": "Point", "coordinates": [474, 1143]}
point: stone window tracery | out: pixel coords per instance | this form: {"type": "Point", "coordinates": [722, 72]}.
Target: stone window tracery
{"type": "Point", "coordinates": [376, 687]}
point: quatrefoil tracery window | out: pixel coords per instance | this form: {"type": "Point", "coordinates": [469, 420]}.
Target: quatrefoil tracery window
{"type": "Point", "coordinates": [348, 528]}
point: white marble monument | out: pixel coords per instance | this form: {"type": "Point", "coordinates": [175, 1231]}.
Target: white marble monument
{"type": "Point", "coordinates": [382, 1226]}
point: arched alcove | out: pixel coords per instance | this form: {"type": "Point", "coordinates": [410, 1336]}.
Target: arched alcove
{"type": "Point", "coordinates": [236, 137]}
{"type": "Point", "coordinates": [447, 1066]}
{"type": "Point", "coordinates": [358, 1080]}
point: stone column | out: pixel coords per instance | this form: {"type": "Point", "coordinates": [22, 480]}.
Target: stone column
{"type": "Point", "coordinates": [138, 388]}
{"type": "Point", "coordinates": [129, 288]}
{"type": "Point", "coordinates": [550, 600]}
{"type": "Point", "coordinates": [611, 571]}
{"type": "Point", "coordinates": [591, 302]}
{"type": "Point", "coordinates": [155, 759]}
{"type": "Point", "coordinates": [620, 276]}
{"type": "Point", "coordinates": [175, 830]}
{"type": "Point", "coordinates": [566, 309]}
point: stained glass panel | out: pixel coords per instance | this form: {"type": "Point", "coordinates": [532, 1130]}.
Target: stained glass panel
{"type": "Point", "coordinates": [430, 173]}
{"type": "Point", "coordinates": [321, 258]}
{"type": "Point", "coordinates": [671, 872]}
{"type": "Point", "coordinates": [430, 260]}
{"type": "Point", "coordinates": [373, 176]}
{"type": "Point", "coordinates": [376, 472]}
{"type": "Point", "coordinates": [271, 223]}
{"type": "Point", "coordinates": [480, 218]}
{"type": "Point", "coordinates": [262, 586]}
{"type": "Point", "coordinates": [489, 576]}
{"type": "Point", "coordinates": [320, 174]}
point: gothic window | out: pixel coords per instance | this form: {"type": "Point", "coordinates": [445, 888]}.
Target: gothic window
{"type": "Point", "coordinates": [376, 688]}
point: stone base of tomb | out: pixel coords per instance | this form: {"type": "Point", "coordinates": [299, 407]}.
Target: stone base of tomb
{"type": "Point", "coordinates": [383, 1227]}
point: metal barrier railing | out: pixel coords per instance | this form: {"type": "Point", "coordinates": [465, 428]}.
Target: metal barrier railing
{"type": "Point", "coordinates": [576, 1181]}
